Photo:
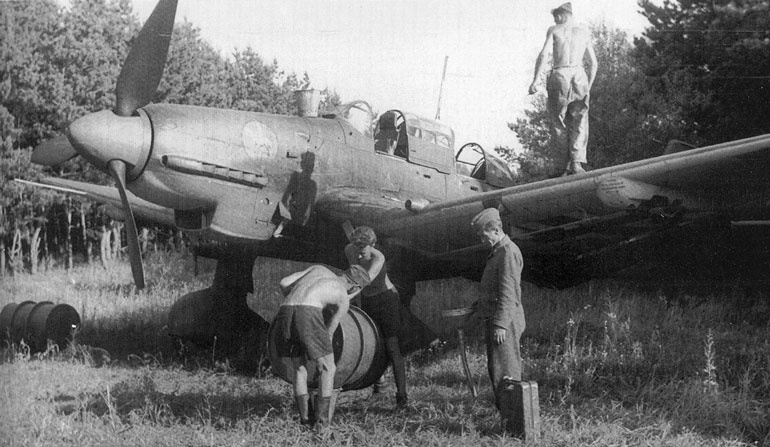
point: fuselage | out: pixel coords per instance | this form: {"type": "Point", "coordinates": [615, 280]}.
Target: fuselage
{"type": "Point", "coordinates": [237, 175]}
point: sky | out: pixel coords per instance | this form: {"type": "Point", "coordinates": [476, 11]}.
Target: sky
{"type": "Point", "coordinates": [391, 53]}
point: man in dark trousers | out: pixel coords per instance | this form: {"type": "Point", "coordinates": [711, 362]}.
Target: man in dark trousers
{"type": "Point", "coordinates": [380, 301]}
{"type": "Point", "coordinates": [499, 304]}
{"type": "Point", "coordinates": [303, 334]}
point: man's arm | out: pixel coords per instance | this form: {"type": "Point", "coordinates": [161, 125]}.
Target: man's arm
{"type": "Point", "coordinates": [541, 60]}
{"type": "Point", "coordinates": [378, 261]}
{"type": "Point", "coordinates": [508, 294]}
{"type": "Point", "coordinates": [356, 291]}
{"type": "Point", "coordinates": [288, 282]}
{"type": "Point", "coordinates": [342, 308]}
{"type": "Point", "coordinates": [593, 64]}
{"type": "Point", "coordinates": [350, 254]}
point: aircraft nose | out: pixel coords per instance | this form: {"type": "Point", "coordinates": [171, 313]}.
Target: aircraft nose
{"type": "Point", "coordinates": [103, 136]}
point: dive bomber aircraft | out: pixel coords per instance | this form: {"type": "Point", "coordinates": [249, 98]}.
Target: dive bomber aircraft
{"type": "Point", "coordinates": [245, 184]}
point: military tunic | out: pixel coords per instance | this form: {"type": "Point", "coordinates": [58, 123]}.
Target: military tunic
{"type": "Point", "coordinates": [500, 306]}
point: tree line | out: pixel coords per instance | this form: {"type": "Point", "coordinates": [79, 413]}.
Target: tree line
{"type": "Point", "coordinates": [700, 73]}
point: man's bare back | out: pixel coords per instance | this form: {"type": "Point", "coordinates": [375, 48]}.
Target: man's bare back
{"type": "Point", "coordinates": [570, 43]}
{"type": "Point", "coordinates": [316, 286]}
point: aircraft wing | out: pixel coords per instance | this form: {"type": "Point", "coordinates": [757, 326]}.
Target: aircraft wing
{"type": "Point", "coordinates": [108, 195]}
{"type": "Point", "coordinates": [611, 215]}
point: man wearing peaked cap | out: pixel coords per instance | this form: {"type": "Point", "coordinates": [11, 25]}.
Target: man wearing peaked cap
{"type": "Point", "coordinates": [481, 219]}
{"type": "Point", "coordinates": [499, 304]}
{"type": "Point", "coordinates": [566, 7]}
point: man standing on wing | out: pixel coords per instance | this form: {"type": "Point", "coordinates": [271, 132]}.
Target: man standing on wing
{"type": "Point", "coordinates": [303, 335]}
{"type": "Point", "coordinates": [568, 86]}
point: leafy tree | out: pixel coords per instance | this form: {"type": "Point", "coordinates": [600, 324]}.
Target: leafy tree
{"type": "Point", "coordinates": [26, 30]}
{"type": "Point", "coordinates": [59, 64]}
{"type": "Point", "coordinates": [627, 121]}
{"type": "Point", "coordinates": [533, 132]}
{"type": "Point", "coordinates": [712, 59]}
{"type": "Point", "coordinates": [259, 87]}
{"type": "Point", "coordinates": [194, 73]}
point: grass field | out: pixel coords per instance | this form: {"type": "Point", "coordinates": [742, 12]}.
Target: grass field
{"type": "Point", "coordinates": [616, 365]}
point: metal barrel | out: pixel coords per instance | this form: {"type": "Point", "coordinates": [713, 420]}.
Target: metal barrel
{"type": "Point", "coordinates": [6, 320]}
{"type": "Point", "coordinates": [359, 354]}
{"type": "Point", "coordinates": [36, 323]}
{"type": "Point", "coordinates": [19, 321]}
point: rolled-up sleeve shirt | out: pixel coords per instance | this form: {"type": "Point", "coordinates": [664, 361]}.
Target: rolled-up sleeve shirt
{"type": "Point", "coordinates": [500, 301]}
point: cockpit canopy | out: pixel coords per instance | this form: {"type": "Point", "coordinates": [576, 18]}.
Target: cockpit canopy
{"type": "Point", "coordinates": [420, 140]}
{"type": "Point", "coordinates": [430, 143]}
{"type": "Point", "coordinates": [430, 131]}
{"type": "Point", "coordinates": [358, 114]}
{"type": "Point", "coordinates": [473, 161]}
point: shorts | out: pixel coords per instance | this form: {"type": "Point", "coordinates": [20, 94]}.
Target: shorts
{"type": "Point", "coordinates": [385, 310]}
{"type": "Point", "coordinates": [301, 331]}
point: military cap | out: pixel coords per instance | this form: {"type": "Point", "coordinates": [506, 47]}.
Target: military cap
{"type": "Point", "coordinates": [358, 275]}
{"type": "Point", "coordinates": [480, 220]}
{"type": "Point", "coordinates": [566, 7]}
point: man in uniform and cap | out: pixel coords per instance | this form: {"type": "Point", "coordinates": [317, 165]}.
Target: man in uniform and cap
{"type": "Point", "coordinates": [568, 85]}
{"type": "Point", "coordinates": [303, 334]}
{"type": "Point", "coordinates": [500, 302]}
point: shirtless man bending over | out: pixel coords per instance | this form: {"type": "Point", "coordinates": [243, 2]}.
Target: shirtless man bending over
{"type": "Point", "coordinates": [303, 334]}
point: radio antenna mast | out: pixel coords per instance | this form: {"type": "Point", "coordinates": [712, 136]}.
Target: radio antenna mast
{"type": "Point", "coordinates": [441, 89]}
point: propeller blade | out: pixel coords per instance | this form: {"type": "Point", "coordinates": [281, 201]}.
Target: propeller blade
{"type": "Point", "coordinates": [143, 68]}
{"type": "Point", "coordinates": [53, 152]}
{"type": "Point", "coordinates": [117, 169]}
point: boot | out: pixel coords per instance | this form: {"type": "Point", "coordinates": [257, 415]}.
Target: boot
{"type": "Point", "coordinates": [402, 401]}
{"type": "Point", "coordinates": [306, 416]}
{"type": "Point", "coordinates": [323, 411]}
{"type": "Point", "coordinates": [379, 386]}
{"type": "Point", "coordinates": [510, 419]}
{"type": "Point", "coordinates": [574, 167]}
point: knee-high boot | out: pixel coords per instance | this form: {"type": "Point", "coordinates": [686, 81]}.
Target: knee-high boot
{"type": "Point", "coordinates": [306, 414]}
{"type": "Point", "coordinates": [324, 411]}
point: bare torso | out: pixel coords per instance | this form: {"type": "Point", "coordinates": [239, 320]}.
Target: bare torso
{"type": "Point", "coordinates": [318, 287]}
{"type": "Point", "coordinates": [569, 44]}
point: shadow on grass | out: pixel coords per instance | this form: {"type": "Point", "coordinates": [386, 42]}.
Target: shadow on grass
{"type": "Point", "coordinates": [452, 411]}
{"type": "Point", "coordinates": [138, 400]}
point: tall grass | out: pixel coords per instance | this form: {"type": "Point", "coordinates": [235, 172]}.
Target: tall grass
{"type": "Point", "coordinates": [616, 364]}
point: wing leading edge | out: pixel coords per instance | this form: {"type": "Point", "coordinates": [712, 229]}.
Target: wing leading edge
{"type": "Point", "coordinates": [110, 196]}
